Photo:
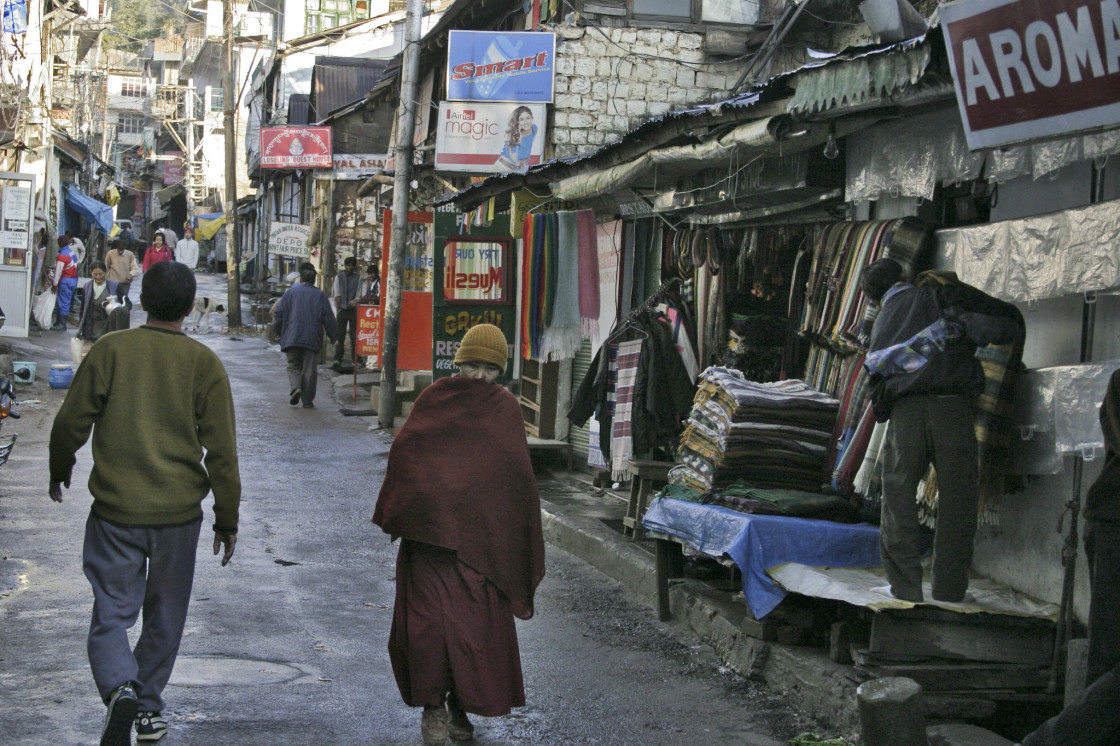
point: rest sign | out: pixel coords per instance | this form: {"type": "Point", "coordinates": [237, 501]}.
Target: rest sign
{"type": "Point", "coordinates": [1031, 69]}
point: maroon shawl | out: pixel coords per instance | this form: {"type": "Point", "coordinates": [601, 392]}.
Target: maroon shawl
{"type": "Point", "coordinates": [459, 477]}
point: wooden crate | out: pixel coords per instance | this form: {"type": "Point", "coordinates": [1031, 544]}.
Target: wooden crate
{"type": "Point", "coordinates": [539, 393]}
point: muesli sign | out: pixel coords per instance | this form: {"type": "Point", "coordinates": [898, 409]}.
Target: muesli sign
{"type": "Point", "coordinates": [515, 66]}
{"type": "Point", "coordinates": [1027, 69]}
{"type": "Point", "coordinates": [288, 239]}
{"type": "Point", "coordinates": [296, 147]}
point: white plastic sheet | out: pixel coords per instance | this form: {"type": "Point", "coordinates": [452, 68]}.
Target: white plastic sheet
{"type": "Point", "coordinates": [1045, 256]}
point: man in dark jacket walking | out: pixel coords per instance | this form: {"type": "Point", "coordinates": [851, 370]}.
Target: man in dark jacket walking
{"type": "Point", "coordinates": [925, 378]}
{"type": "Point", "coordinates": [299, 320]}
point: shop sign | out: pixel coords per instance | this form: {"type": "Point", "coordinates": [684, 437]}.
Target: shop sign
{"type": "Point", "coordinates": [1027, 69]}
{"type": "Point", "coordinates": [15, 223]}
{"type": "Point", "coordinates": [474, 270]}
{"type": "Point", "coordinates": [172, 167]}
{"type": "Point", "coordinates": [296, 147]}
{"type": "Point", "coordinates": [369, 331]}
{"type": "Point", "coordinates": [288, 239]}
{"type": "Point", "coordinates": [516, 66]}
{"type": "Point", "coordinates": [489, 138]}
{"type": "Point", "coordinates": [360, 165]}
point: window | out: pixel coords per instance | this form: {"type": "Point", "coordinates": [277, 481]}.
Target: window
{"type": "Point", "coordinates": [326, 14]}
{"type": "Point", "coordinates": [130, 125]}
{"type": "Point", "coordinates": [217, 100]}
{"type": "Point", "coordinates": [132, 88]}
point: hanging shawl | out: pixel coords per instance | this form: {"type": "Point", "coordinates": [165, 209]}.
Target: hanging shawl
{"type": "Point", "coordinates": [560, 338]}
{"type": "Point", "coordinates": [459, 477]}
{"type": "Point", "coordinates": [588, 274]}
{"type": "Point", "coordinates": [622, 441]}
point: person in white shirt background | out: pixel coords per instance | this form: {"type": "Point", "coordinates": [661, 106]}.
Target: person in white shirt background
{"type": "Point", "coordinates": [186, 249]}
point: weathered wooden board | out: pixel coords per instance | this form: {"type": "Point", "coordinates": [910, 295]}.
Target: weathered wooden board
{"type": "Point", "coordinates": [964, 639]}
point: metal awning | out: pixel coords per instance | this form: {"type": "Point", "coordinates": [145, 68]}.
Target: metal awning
{"type": "Point", "coordinates": [757, 136]}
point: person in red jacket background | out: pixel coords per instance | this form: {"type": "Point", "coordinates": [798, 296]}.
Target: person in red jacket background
{"type": "Point", "coordinates": [157, 252]}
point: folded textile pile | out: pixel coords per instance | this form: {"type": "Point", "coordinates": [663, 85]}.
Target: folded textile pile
{"type": "Point", "coordinates": [747, 498]}
{"type": "Point", "coordinates": [772, 434]}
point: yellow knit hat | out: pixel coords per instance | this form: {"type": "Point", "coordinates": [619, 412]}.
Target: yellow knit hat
{"type": "Point", "coordinates": [484, 343]}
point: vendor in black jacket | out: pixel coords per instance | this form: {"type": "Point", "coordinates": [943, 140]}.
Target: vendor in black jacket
{"type": "Point", "coordinates": [925, 379]}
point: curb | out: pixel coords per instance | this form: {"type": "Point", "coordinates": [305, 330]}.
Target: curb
{"type": "Point", "coordinates": [823, 689]}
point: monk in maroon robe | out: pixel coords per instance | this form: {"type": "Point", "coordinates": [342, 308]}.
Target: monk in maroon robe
{"type": "Point", "coordinates": [460, 492]}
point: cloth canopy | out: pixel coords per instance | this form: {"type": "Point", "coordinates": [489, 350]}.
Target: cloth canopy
{"type": "Point", "coordinates": [98, 213]}
{"type": "Point", "coordinates": [206, 226]}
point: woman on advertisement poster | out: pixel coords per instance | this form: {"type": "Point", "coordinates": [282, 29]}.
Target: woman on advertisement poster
{"type": "Point", "coordinates": [519, 139]}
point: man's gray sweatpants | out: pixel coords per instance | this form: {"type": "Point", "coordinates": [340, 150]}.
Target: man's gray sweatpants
{"type": "Point", "coordinates": [303, 371]}
{"type": "Point", "coordinates": [130, 569]}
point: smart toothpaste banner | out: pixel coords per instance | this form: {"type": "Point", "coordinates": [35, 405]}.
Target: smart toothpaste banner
{"type": "Point", "coordinates": [515, 66]}
{"type": "Point", "coordinates": [489, 138]}
{"type": "Point", "coordinates": [1028, 69]}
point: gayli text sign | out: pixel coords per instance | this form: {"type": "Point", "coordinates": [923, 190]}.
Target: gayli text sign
{"type": "Point", "coordinates": [296, 147]}
{"type": "Point", "coordinates": [1027, 69]}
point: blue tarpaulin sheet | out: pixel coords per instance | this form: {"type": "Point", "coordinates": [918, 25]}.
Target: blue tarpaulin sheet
{"type": "Point", "coordinates": [758, 542]}
{"type": "Point", "coordinates": [98, 213]}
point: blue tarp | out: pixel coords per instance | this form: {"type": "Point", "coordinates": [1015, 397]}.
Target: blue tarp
{"type": "Point", "coordinates": [759, 542]}
{"type": "Point", "coordinates": [98, 213]}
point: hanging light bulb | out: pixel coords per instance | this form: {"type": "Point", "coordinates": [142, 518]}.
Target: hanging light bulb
{"type": "Point", "coordinates": [831, 149]}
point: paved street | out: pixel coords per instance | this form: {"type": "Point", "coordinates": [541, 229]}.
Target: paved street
{"type": "Point", "coordinates": [286, 645]}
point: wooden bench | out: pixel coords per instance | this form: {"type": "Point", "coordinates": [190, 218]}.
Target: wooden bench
{"type": "Point", "coordinates": [646, 478]}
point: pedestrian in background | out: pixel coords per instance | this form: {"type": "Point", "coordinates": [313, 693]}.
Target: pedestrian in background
{"type": "Point", "coordinates": [186, 251]}
{"type": "Point", "coordinates": [299, 319]}
{"type": "Point", "coordinates": [65, 280]}
{"type": "Point", "coordinates": [121, 266]}
{"type": "Point", "coordinates": [102, 311]}
{"type": "Point", "coordinates": [156, 253]}
{"type": "Point", "coordinates": [459, 491]}
{"type": "Point", "coordinates": [161, 444]}
{"type": "Point", "coordinates": [371, 288]}
{"type": "Point", "coordinates": [347, 290]}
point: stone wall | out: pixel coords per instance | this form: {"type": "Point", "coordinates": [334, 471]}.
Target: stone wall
{"type": "Point", "coordinates": [610, 80]}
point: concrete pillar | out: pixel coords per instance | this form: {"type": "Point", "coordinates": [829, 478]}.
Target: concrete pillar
{"type": "Point", "coordinates": [890, 713]}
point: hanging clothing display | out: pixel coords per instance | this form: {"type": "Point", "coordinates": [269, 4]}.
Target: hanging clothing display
{"type": "Point", "coordinates": [658, 398]}
{"type": "Point", "coordinates": [560, 275]}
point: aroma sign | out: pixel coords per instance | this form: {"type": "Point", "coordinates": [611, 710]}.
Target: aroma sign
{"type": "Point", "coordinates": [1028, 69]}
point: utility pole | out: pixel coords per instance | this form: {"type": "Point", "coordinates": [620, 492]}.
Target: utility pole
{"type": "Point", "coordinates": [406, 127]}
{"type": "Point", "coordinates": [188, 157]}
{"type": "Point", "coordinates": [229, 93]}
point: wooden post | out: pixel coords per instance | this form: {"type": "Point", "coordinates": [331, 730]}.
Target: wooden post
{"type": "Point", "coordinates": [890, 713]}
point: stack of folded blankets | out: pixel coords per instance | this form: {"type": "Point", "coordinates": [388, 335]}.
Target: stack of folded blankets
{"type": "Point", "coordinates": [769, 434]}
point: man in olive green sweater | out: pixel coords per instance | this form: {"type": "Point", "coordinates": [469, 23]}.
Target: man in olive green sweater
{"type": "Point", "coordinates": [161, 412]}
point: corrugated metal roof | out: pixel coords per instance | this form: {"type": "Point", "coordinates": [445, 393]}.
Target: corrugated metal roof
{"type": "Point", "coordinates": [299, 108]}
{"type": "Point", "coordinates": [338, 81]}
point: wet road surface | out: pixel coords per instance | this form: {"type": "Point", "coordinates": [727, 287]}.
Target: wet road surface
{"type": "Point", "coordinates": [286, 645]}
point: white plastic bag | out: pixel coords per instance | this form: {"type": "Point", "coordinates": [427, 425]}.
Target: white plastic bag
{"type": "Point", "coordinates": [76, 344]}
{"type": "Point", "coordinates": [42, 308]}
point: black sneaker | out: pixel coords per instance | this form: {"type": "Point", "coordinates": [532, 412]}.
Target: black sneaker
{"type": "Point", "coordinates": [293, 398]}
{"type": "Point", "coordinates": [150, 726]}
{"type": "Point", "coordinates": [117, 730]}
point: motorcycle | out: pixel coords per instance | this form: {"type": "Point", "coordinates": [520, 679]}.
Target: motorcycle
{"type": "Point", "coordinates": [7, 399]}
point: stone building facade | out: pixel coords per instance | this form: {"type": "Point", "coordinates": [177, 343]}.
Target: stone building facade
{"type": "Point", "coordinates": [610, 80]}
